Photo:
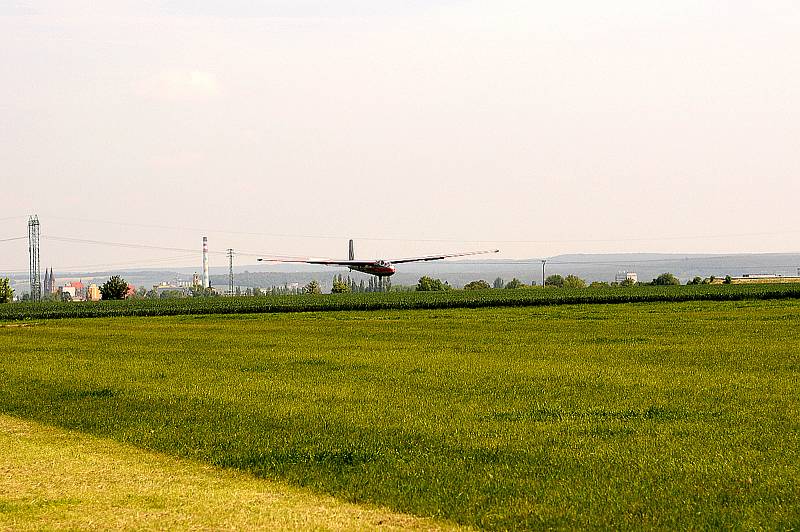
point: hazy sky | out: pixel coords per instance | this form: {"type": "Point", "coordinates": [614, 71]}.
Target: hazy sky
{"type": "Point", "coordinates": [535, 127]}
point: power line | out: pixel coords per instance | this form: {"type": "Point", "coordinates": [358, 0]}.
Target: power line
{"type": "Point", "coordinates": [131, 245]}
{"type": "Point", "coordinates": [445, 240]}
{"type": "Point", "coordinates": [131, 264]}
{"type": "Point", "coordinates": [13, 238]}
{"type": "Point", "coordinates": [106, 265]}
{"type": "Point", "coordinates": [113, 244]}
{"type": "Point", "coordinates": [511, 262]}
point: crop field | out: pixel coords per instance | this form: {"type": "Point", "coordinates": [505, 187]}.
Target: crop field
{"type": "Point", "coordinates": [395, 301]}
{"type": "Point", "coordinates": [627, 416]}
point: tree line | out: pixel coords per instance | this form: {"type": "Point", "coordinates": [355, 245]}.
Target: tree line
{"type": "Point", "coordinates": [117, 288]}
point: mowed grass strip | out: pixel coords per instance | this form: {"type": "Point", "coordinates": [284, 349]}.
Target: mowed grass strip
{"type": "Point", "coordinates": [652, 415]}
{"type": "Point", "coordinates": [55, 479]}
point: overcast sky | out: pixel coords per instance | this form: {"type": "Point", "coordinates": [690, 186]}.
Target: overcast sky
{"type": "Point", "coordinates": [287, 126]}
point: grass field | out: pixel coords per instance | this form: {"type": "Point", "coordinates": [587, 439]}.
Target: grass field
{"type": "Point", "coordinates": [668, 415]}
{"type": "Point", "coordinates": [52, 479]}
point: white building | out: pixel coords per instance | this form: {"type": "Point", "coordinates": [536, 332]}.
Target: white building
{"type": "Point", "coordinates": [621, 277]}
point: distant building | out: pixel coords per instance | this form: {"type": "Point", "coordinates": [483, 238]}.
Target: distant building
{"type": "Point", "coordinates": [759, 278]}
{"type": "Point", "coordinates": [93, 293]}
{"type": "Point", "coordinates": [168, 287]}
{"type": "Point", "coordinates": [49, 286]}
{"type": "Point", "coordinates": [621, 277]}
{"type": "Point", "coordinates": [75, 289]}
{"type": "Point", "coordinates": [73, 294]}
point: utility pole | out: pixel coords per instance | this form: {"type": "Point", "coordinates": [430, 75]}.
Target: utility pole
{"type": "Point", "coordinates": [544, 261]}
{"type": "Point", "coordinates": [230, 271]}
{"type": "Point", "coordinates": [33, 255]}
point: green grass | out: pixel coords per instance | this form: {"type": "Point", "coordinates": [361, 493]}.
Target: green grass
{"type": "Point", "coordinates": [397, 301]}
{"type": "Point", "coordinates": [679, 415]}
{"type": "Point", "coordinates": [60, 480]}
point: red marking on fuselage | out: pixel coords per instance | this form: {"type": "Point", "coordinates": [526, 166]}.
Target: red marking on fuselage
{"type": "Point", "coordinates": [381, 270]}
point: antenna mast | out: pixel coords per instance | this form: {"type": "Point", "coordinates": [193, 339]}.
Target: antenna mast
{"type": "Point", "coordinates": [33, 253]}
{"type": "Point", "coordinates": [544, 261]}
{"type": "Point", "coordinates": [230, 271]}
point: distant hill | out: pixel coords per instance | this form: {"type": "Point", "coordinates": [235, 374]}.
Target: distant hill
{"type": "Point", "coordinates": [591, 267]}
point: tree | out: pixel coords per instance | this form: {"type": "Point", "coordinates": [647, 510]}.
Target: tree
{"type": "Point", "coordinates": [197, 291]}
{"type": "Point", "coordinates": [172, 294]}
{"type": "Point", "coordinates": [66, 297]}
{"type": "Point", "coordinates": [696, 280]}
{"type": "Point", "coordinates": [514, 283]}
{"type": "Point", "coordinates": [627, 282]}
{"type": "Point", "coordinates": [573, 281]}
{"type": "Point", "coordinates": [427, 284]}
{"type": "Point", "coordinates": [666, 279]}
{"type": "Point", "coordinates": [6, 292]}
{"type": "Point", "coordinates": [51, 296]}
{"type": "Point", "coordinates": [498, 283]}
{"type": "Point", "coordinates": [477, 285]}
{"type": "Point", "coordinates": [114, 288]}
{"type": "Point", "coordinates": [554, 280]}
{"type": "Point", "coordinates": [340, 287]}
{"type": "Point", "coordinates": [312, 288]}
{"type": "Point", "coordinates": [727, 280]}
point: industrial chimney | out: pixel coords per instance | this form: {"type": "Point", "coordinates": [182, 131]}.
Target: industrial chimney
{"type": "Point", "coordinates": [206, 283]}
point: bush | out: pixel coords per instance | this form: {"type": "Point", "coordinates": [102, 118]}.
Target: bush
{"type": "Point", "coordinates": [554, 280]}
{"type": "Point", "coordinates": [666, 279]}
{"type": "Point", "coordinates": [312, 288]}
{"type": "Point", "coordinates": [340, 287]}
{"type": "Point", "coordinates": [573, 281]}
{"type": "Point", "coordinates": [514, 283]}
{"type": "Point", "coordinates": [477, 285]}
{"type": "Point", "coordinates": [427, 284]}
{"type": "Point", "coordinates": [6, 292]}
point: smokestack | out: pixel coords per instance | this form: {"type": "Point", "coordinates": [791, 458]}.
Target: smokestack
{"type": "Point", "coordinates": [206, 283]}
